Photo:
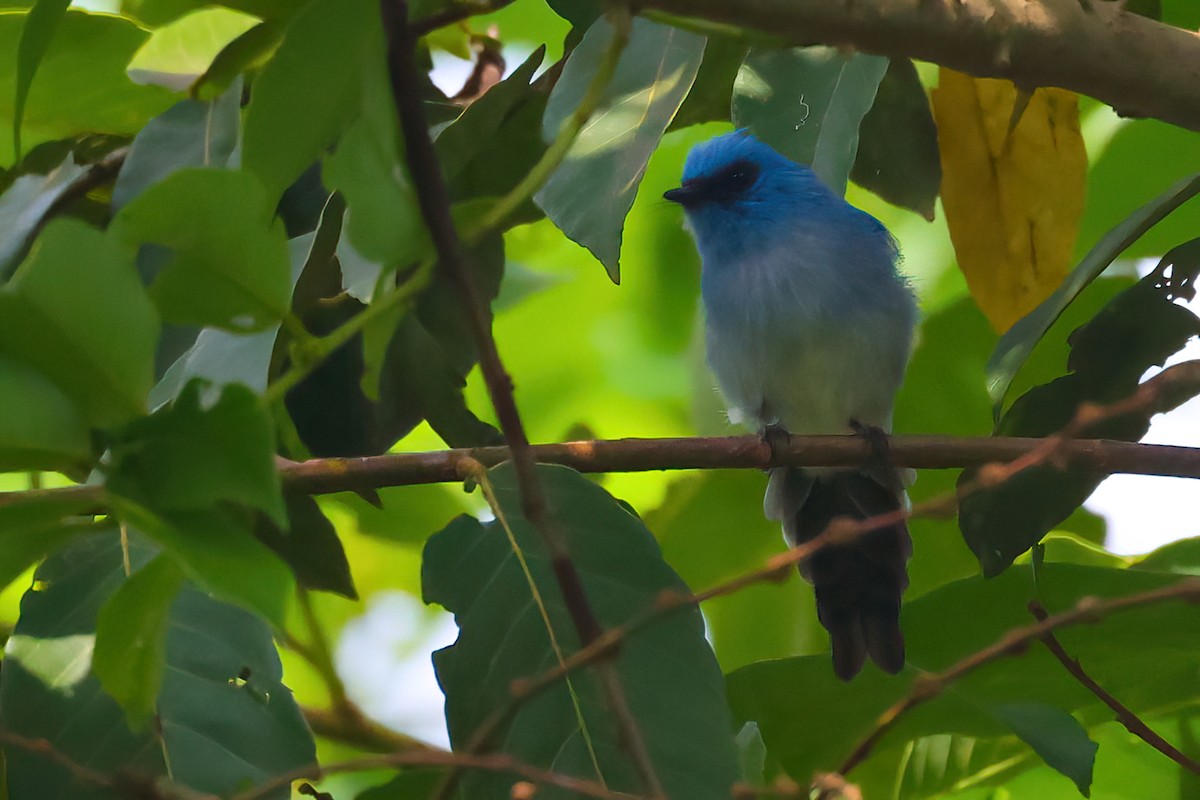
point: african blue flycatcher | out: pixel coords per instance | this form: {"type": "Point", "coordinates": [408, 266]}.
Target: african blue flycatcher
{"type": "Point", "coordinates": [809, 329]}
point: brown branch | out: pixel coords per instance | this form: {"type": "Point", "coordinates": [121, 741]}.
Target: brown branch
{"type": "Point", "coordinates": [1132, 722]}
{"type": "Point", "coordinates": [1140, 67]}
{"type": "Point", "coordinates": [434, 200]}
{"type": "Point", "coordinates": [455, 13]}
{"type": "Point", "coordinates": [493, 762]}
{"type": "Point", "coordinates": [359, 731]}
{"type": "Point", "coordinates": [1089, 609]}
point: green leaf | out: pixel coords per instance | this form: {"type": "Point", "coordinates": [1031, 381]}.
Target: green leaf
{"type": "Point", "coordinates": [1054, 735]}
{"type": "Point", "coordinates": [246, 52]}
{"type": "Point", "coordinates": [131, 638]}
{"type": "Point", "coordinates": [1018, 342]}
{"type": "Point", "coordinates": [188, 134]}
{"type": "Point", "coordinates": [230, 262]}
{"type": "Point", "coordinates": [89, 50]}
{"type": "Point", "coordinates": [40, 24]}
{"type": "Point", "coordinates": [179, 52]}
{"type": "Point", "coordinates": [1138, 329]}
{"type": "Point", "coordinates": [897, 146]}
{"type": "Point", "coordinates": [470, 569]}
{"type": "Point", "coordinates": [310, 546]}
{"type": "Point", "coordinates": [227, 722]}
{"type": "Point", "coordinates": [811, 721]}
{"type": "Point", "coordinates": [219, 552]}
{"type": "Point", "coordinates": [590, 194]}
{"type": "Point", "coordinates": [154, 13]}
{"type": "Point", "coordinates": [580, 13]}
{"type": "Point", "coordinates": [40, 427]}
{"type": "Point", "coordinates": [33, 529]}
{"type": "Point", "coordinates": [383, 222]}
{"type": "Point", "coordinates": [58, 316]}
{"type": "Point", "coordinates": [25, 204]}
{"type": "Point", "coordinates": [199, 452]}
{"type": "Point", "coordinates": [304, 96]}
{"type": "Point", "coordinates": [808, 103]}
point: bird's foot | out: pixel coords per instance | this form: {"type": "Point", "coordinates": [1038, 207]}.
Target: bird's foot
{"type": "Point", "coordinates": [877, 440]}
{"type": "Point", "coordinates": [776, 437]}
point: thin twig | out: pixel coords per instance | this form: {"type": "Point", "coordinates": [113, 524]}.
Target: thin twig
{"type": "Point", "coordinates": [1088, 609]}
{"type": "Point", "coordinates": [1132, 722]}
{"type": "Point", "coordinates": [434, 200]}
{"type": "Point", "coordinates": [359, 731]}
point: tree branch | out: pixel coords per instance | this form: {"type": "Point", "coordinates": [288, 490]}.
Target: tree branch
{"type": "Point", "coordinates": [1089, 609]}
{"type": "Point", "coordinates": [1132, 722]}
{"type": "Point", "coordinates": [433, 197]}
{"type": "Point", "coordinates": [1140, 67]}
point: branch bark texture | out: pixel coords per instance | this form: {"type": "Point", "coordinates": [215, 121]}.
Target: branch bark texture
{"type": "Point", "coordinates": [1140, 67]}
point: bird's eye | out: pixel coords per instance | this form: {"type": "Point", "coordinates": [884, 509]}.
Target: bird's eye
{"type": "Point", "coordinates": [738, 178]}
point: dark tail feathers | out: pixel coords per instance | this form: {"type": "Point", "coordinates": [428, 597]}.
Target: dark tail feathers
{"type": "Point", "coordinates": [859, 584]}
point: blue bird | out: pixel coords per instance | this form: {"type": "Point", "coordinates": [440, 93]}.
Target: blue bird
{"type": "Point", "coordinates": [809, 327]}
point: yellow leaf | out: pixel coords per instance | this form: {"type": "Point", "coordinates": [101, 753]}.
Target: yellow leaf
{"type": "Point", "coordinates": [1012, 188]}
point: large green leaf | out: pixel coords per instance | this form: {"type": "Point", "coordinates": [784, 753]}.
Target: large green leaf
{"type": "Point", "coordinates": [229, 266]}
{"type": "Point", "coordinates": [808, 103]}
{"type": "Point", "coordinates": [1018, 342]}
{"type": "Point", "coordinates": [89, 50]}
{"type": "Point", "coordinates": [471, 569]}
{"type": "Point", "coordinates": [160, 12]}
{"type": "Point", "coordinates": [1139, 329]}
{"type": "Point", "coordinates": [305, 95]}
{"type": "Point", "coordinates": [897, 145]}
{"type": "Point", "coordinates": [24, 206]}
{"type": "Point", "coordinates": [383, 222]}
{"type": "Point", "coordinates": [592, 191]}
{"type": "Point", "coordinates": [188, 134]}
{"type": "Point", "coordinates": [131, 638]}
{"type": "Point", "coordinates": [811, 721]}
{"type": "Point", "coordinates": [1054, 735]}
{"type": "Point", "coordinates": [310, 546]}
{"type": "Point", "coordinates": [76, 311]}
{"type": "Point", "coordinates": [225, 720]}
{"type": "Point", "coordinates": [32, 529]}
{"type": "Point", "coordinates": [198, 452]}
{"type": "Point", "coordinates": [40, 24]}
{"type": "Point", "coordinates": [40, 428]}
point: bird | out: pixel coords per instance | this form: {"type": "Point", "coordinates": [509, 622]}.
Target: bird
{"type": "Point", "coordinates": [808, 330]}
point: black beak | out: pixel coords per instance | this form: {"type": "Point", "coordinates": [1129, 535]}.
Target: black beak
{"type": "Point", "coordinates": [686, 195]}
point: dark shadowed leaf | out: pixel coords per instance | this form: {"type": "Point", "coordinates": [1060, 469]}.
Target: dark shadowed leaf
{"type": "Point", "coordinates": [229, 261]}
{"type": "Point", "coordinates": [33, 529]}
{"type": "Point", "coordinates": [188, 134]}
{"type": "Point", "coordinates": [580, 13]}
{"type": "Point", "coordinates": [58, 315]}
{"type": "Point", "coordinates": [711, 95]}
{"type": "Point", "coordinates": [131, 638]}
{"type": "Point", "coordinates": [304, 97]}
{"type": "Point", "coordinates": [226, 720]}
{"type": "Point", "coordinates": [310, 546]}
{"type": "Point", "coordinates": [471, 569]}
{"type": "Point", "coordinates": [1018, 342]}
{"type": "Point", "coordinates": [807, 103]}
{"type": "Point", "coordinates": [1054, 735]}
{"type": "Point", "coordinates": [592, 191]}
{"type": "Point", "coordinates": [1138, 329]}
{"type": "Point", "coordinates": [897, 143]}
{"type": "Point", "coordinates": [25, 204]}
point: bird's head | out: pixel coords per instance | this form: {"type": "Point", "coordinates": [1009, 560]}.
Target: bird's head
{"type": "Point", "coordinates": [735, 189]}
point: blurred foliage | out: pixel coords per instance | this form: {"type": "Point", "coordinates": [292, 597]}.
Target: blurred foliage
{"type": "Point", "coordinates": [203, 193]}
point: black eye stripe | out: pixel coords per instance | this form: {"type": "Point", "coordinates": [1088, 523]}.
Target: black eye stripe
{"type": "Point", "coordinates": [733, 180]}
